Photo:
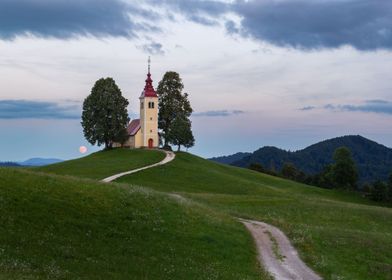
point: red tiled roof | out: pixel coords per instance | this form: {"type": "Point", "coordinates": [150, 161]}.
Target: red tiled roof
{"type": "Point", "coordinates": [133, 127]}
{"type": "Point", "coordinates": [149, 90]}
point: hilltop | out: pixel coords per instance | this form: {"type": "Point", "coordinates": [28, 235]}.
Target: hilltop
{"type": "Point", "coordinates": [374, 160]}
{"type": "Point", "coordinates": [178, 221]}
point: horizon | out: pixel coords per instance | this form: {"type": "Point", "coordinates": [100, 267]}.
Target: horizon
{"type": "Point", "coordinates": [217, 156]}
{"type": "Point", "coordinates": [256, 74]}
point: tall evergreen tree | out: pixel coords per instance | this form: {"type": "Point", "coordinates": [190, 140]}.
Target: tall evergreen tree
{"type": "Point", "coordinates": [171, 103]}
{"type": "Point", "coordinates": [344, 171]}
{"type": "Point", "coordinates": [105, 115]}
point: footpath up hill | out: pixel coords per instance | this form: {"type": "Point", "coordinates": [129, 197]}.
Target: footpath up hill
{"type": "Point", "coordinates": [340, 235]}
{"type": "Point", "coordinates": [103, 164]}
{"type": "Point", "coordinates": [60, 227]}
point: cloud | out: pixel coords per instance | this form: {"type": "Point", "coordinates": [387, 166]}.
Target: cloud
{"type": "Point", "coordinates": [68, 18]}
{"type": "Point", "coordinates": [370, 106]}
{"type": "Point", "coordinates": [307, 108]}
{"type": "Point", "coordinates": [218, 113]}
{"type": "Point", "coordinates": [303, 24]}
{"type": "Point", "coordinates": [309, 24]}
{"type": "Point", "coordinates": [204, 12]}
{"type": "Point", "coordinates": [26, 109]}
{"type": "Point", "coordinates": [153, 48]}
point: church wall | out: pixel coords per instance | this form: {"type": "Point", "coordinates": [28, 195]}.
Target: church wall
{"type": "Point", "coordinates": [149, 121]}
{"type": "Point", "coordinates": [138, 139]}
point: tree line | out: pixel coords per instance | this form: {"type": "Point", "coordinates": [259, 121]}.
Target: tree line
{"type": "Point", "coordinates": [105, 115]}
{"type": "Point", "coordinates": [341, 174]}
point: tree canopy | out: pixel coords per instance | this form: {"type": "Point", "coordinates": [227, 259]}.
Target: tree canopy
{"type": "Point", "coordinates": [105, 115]}
{"type": "Point", "coordinates": [180, 133]}
{"type": "Point", "coordinates": [344, 171]}
{"type": "Point", "coordinates": [174, 112]}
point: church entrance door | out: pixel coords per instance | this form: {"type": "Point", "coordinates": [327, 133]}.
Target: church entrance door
{"type": "Point", "coordinates": [150, 143]}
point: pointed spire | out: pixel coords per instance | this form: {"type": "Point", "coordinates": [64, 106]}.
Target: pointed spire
{"type": "Point", "coordinates": [149, 89]}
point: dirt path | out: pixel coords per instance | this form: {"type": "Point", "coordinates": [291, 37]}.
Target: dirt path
{"type": "Point", "coordinates": [169, 157]}
{"type": "Point", "coordinates": [276, 254]}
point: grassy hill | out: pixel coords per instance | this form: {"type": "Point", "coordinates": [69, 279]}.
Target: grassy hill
{"type": "Point", "coordinates": [56, 227]}
{"type": "Point", "coordinates": [103, 164]}
{"type": "Point", "coordinates": [340, 235]}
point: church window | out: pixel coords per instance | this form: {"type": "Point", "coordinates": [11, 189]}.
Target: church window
{"type": "Point", "coordinates": [151, 131]}
{"type": "Point", "coordinates": [141, 105]}
{"type": "Point", "coordinates": [151, 105]}
{"type": "Point", "coordinates": [151, 119]}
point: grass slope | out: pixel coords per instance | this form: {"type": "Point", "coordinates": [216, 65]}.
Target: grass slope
{"type": "Point", "coordinates": [57, 227]}
{"type": "Point", "coordinates": [340, 235]}
{"type": "Point", "coordinates": [103, 164]}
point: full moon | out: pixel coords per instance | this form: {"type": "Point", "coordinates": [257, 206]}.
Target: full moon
{"type": "Point", "coordinates": [82, 149]}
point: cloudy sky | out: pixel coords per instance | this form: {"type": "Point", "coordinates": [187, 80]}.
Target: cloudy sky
{"type": "Point", "coordinates": [286, 73]}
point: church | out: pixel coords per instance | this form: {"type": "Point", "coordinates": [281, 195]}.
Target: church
{"type": "Point", "coordinates": [143, 132]}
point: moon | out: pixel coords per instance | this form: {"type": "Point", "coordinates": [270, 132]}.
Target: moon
{"type": "Point", "coordinates": [82, 149]}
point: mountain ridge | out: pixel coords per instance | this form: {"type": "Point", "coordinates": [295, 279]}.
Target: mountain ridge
{"type": "Point", "coordinates": [374, 160]}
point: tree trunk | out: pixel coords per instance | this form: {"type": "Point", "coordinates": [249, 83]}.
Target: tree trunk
{"type": "Point", "coordinates": [179, 148]}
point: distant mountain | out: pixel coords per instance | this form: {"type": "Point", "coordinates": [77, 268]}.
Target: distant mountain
{"type": "Point", "coordinates": [40, 161]}
{"type": "Point", "coordinates": [9, 164]}
{"type": "Point", "coordinates": [374, 161]}
{"type": "Point", "coordinates": [230, 159]}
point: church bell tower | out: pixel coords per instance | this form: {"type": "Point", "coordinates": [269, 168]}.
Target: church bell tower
{"type": "Point", "coordinates": [149, 113]}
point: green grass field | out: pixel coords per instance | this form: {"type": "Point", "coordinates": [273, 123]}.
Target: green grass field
{"type": "Point", "coordinates": [65, 227]}
{"type": "Point", "coordinates": [340, 235]}
{"type": "Point", "coordinates": [58, 227]}
{"type": "Point", "coordinates": [103, 164]}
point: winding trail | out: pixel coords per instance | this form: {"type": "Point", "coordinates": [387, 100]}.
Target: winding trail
{"type": "Point", "coordinates": [169, 157]}
{"type": "Point", "coordinates": [276, 253]}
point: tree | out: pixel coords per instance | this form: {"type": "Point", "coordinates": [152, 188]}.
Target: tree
{"type": "Point", "coordinates": [389, 185]}
{"type": "Point", "coordinates": [180, 133]}
{"type": "Point", "coordinates": [326, 178]}
{"type": "Point", "coordinates": [289, 171]}
{"type": "Point", "coordinates": [105, 115]}
{"type": "Point", "coordinates": [171, 103]}
{"type": "Point", "coordinates": [344, 172]}
{"type": "Point", "coordinates": [257, 167]}
{"type": "Point", "coordinates": [379, 191]}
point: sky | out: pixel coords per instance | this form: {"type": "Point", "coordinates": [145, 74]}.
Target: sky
{"type": "Point", "coordinates": [285, 73]}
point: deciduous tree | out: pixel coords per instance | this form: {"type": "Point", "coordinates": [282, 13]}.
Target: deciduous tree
{"type": "Point", "coordinates": [344, 170]}
{"type": "Point", "coordinates": [105, 115]}
{"type": "Point", "coordinates": [172, 102]}
{"type": "Point", "coordinates": [180, 133]}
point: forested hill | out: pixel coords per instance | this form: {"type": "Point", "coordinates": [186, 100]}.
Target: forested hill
{"type": "Point", "coordinates": [231, 158]}
{"type": "Point", "coordinates": [374, 161]}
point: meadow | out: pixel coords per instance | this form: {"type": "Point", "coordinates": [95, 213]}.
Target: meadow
{"type": "Point", "coordinates": [59, 227]}
{"type": "Point", "coordinates": [341, 235]}
{"type": "Point", "coordinates": [105, 163]}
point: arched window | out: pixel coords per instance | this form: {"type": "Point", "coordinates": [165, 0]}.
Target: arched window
{"type": "Point", "coordinates": [151, 105]}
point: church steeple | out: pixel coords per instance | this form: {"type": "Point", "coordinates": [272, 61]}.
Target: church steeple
{"type": "Point", "coordinates": [149, 113]}
{"type": "Point", "coordinates": [148, 88]}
